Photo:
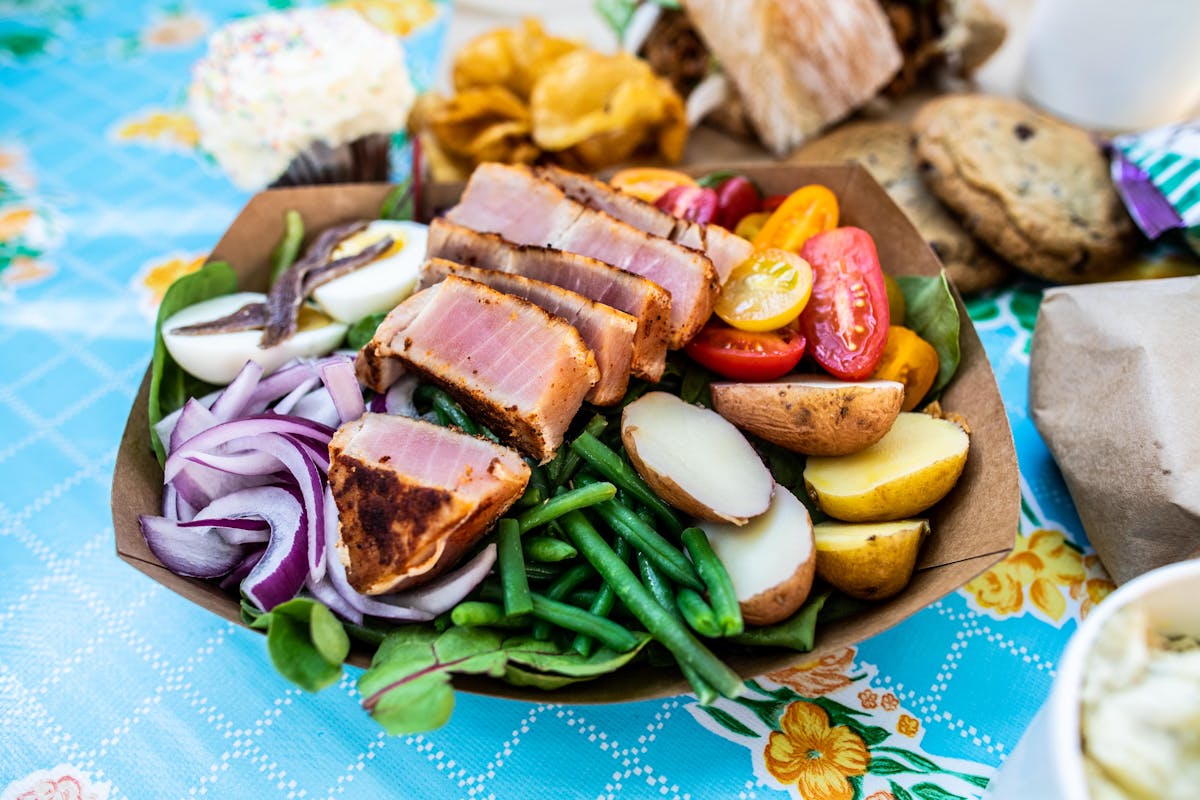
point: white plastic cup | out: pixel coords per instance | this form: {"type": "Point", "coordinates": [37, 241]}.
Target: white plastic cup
{"type": "Point", "coordinates": [1114, 64]}
{"type": "Point", "coordinates": [1047, 764]}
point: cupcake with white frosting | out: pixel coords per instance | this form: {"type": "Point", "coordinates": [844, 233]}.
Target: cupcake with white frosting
{"type": "Point", "coordinates": [300, 97]}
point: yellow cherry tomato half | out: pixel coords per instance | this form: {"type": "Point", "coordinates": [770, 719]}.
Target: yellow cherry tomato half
{"type": "Point", "coordinates": [766, 291]}
{"type": "Point", "coordinates": [649, 183]}
{"type": "Point", "coordinates": [807, 211]}
{"type": "Point", "coordinates": [751, 224]}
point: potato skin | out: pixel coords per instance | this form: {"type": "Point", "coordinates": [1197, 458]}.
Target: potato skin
{"type": "Point", "coordinates": [813, 416]}
{"type": "Point", "coordinates": [782, 600]}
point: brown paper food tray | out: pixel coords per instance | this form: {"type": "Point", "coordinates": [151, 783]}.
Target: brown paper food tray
{"type": "Point", "coordinates": [973, 528]}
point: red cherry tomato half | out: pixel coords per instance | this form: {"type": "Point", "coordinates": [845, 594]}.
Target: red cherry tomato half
{"type": "Point", "coordinates": [693, 203]}
{"type": "Point", "coordinates": [736, 198]}
{"type": "Point", "coordinates": [847, 317]}
{"type": "Point", "coordinates": [774, 201]}
{"type": "Point", "coordinates": [746, 356]}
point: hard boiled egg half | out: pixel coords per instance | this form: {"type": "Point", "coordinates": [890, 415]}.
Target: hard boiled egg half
{"type": "Point", "coordinates": [217, 357]}
{"type": "Point", "coordinates": [382, 284]}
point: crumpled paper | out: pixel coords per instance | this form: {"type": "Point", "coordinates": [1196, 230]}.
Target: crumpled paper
{"type": "Point", "coordinates": [1114, 389]}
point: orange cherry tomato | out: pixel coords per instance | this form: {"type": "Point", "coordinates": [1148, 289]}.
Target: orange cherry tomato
{"type": "Point", "coordinates": [807, 211]}
{"type": "Point", "coordinates": [751, 224]}
{"type": "Point", "coordinates": [649, 183]}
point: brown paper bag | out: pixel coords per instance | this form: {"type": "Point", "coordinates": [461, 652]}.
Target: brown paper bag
{"type": "Point", "coordinates": [1114, 389]}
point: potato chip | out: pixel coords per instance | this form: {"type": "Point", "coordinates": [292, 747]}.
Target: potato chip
{"type": "Point", "coordinates": [604, 108]}
{"type": "Point", "coordinates": [510, 57]}
{"type": "Point", "coordinates": [483, 124]}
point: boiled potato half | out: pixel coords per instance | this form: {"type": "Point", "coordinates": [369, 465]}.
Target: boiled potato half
{"type": "Point", "coordinates": [869, 560]}
{"type": "Point", "coordinates": [770, 561]}
{"type": "Point", "coordinates": [694, 459]}
{"type": "Point", "coordinates": [912, 467]}
{"type": "Point", "coordinates": [810, 414]}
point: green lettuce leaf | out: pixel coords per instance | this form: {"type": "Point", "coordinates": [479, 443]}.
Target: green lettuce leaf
{"type": "Point", "coordinates": [170, 386]}
{"type": "Point", "coordinates": [933, 314]}
{"type": "Point", "coordinates": [306, 642]}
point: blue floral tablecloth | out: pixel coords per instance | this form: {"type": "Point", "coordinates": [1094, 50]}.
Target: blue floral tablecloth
{"type": "Point", "coordinates": [112, 686]}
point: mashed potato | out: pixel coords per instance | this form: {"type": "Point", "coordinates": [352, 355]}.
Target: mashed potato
{"type": "Point", "coordinates": [1141, 712]}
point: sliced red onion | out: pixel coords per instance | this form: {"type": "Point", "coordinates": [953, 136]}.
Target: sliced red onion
{"type": "Point", "coordinates": [233, 400]}
{"type": "Point", "coordinates": [238, 574]}
{"type": "Point", "coordinates": [193, 418]}
{"type": "Point", "coordinates": [188, 551]}
{"type": "Point", "coordinates": [318, 406]}
{"type": "Point", "coordinates": [343, 387]}
{"type": "Point", "coordinates": [289, 400]}
{"type": "Point", "coordinates": [166, 426]}
{"type": "Point", "coordinates": [283, 569]}
{"type": "Point", "coordinates": [378, 404]}
{"type": "Point", "coordinates": [327, 594]}
{"type": "Point", "coordinates": [252, 426]}
{"type": "Point", "coordinates": [399, 397]}
{"type": "Point", "coordinates": [279, 383]}
{"type": "Point", "coordinates": [447, 591]}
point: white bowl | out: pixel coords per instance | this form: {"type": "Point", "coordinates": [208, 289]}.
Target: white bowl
{"type": "Point", "coordinates": [1048, 761]}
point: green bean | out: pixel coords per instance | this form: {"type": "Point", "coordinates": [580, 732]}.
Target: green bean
{"type": "Point", "coordinates": [660, 588]}
{"type": "Point", "coordinates": [605, 631]}
{"type": "Point", "coordinates": [625, 522]}
{"type": "Point", "coordinates": [567, 582]}
{"type": "Point", "coordinates": [658, 585]}
{"type": "Point", "coordinates": [603, 603]}
{"type": "Point", "coordinates": [446, 409]}
{"type": "Point", "coordinates": [661, 624]}
{"type": "Point", "coordinates": [697, 613]}
{"type": "Point", "coordinates": [512, 568]}
{"type": "Point", "coordinates": [716, 580]}
{"type": "Point", "coordinates": [475, 613]}
{"type": "Point", "coordinates": [531, 497]}
{"type": "Point", "coordinates": [605, 461]}
{"type": "Point", "coordinates": [547, 549]}
{"type": "Point", "coordinates": [399, 203]}
{"type": "Point", "coordinates": [544, 571]}
{"type": "Point", "coordinates": [285, 253]}
{"type": "Point", "coordinates": [575, 499]}
{"type": "Point", "coordinates": [537, 478]}
{"type": "Point", "coordinates": [570, 461]}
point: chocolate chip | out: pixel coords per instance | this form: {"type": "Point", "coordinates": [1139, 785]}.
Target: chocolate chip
{"type": "Point", "coordinates": [1080, 264]}
{"type": "Point", "coordinates": [925, 166]}
{"type": "Point", "coordinates": [1023, 131]}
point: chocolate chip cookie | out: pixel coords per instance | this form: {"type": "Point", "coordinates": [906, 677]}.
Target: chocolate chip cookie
{"type": "Point", "coordinates": [883, 148]}
{"type": "Point", "coordinates": [1034, 189]}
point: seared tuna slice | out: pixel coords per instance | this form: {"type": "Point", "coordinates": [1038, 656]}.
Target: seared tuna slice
{"type": "Point", "coordinates": [607, 332]}
{"type": "Point", "coordinates": [513, 202]}
{"type": "Point", "coordinates": [413, 497]}
{"type": "Point", "coordinates": [517, 369]}
{"type": "Point", "coordinates": [726, 250]}
{"type": "Point", "coordinates": [642, 299]}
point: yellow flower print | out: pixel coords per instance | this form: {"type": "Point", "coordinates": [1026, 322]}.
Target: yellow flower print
{"type": "Point", "coordinates": [820, 677]}
{"type": "Point", "coordinates": [881, 796]}
{"type": "Point", "coordinates": [997, 589]}
{"type": "Point", "coordinates": [1039, 568]}
{"type": "Point", "coordinates": [889, 702]}
{"type": "Point", "coordinates": [868, 699]}
{"type": "Point", "coordinates": [908, 725]}
{"type": "Point", "coordinates": [13, 222]}
{"type": "Point", "coordinates": [170, 129]}
{"type": "Point", "coordinates": [816, 757]}
{"type": "Point", "coordinates": [160, 276]}
{"type": "Point", "coordinates": [22, 271]}
{"type": "Point", "coordinates": [174, 30]}
{"type": "Point", "coordinates": [398, 17]}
